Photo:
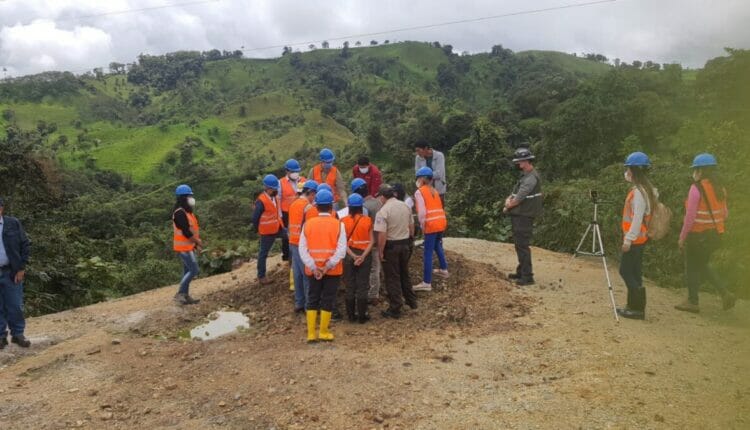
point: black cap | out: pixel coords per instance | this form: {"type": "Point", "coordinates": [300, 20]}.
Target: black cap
{"type": "Point", "coordinates": [385, 190]}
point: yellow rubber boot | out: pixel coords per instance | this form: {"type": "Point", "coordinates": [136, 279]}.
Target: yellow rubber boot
{"type": "Point", "coordinates": [325, 319]}
{"type": "Point", "coordinates": [311, 317]}
{"type": "Point", "coordinates": [291, 280]}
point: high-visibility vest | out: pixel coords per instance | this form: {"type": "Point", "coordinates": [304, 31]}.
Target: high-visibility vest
{"type": "Point", "coordinates": [270, 220]}
{"type": "Point", "coordinates": [358, 231]}
{"type": "Point", "coordinates": [322, 235]}
{"type": "Point", "coordinates": [627, 219]}
{"type": "Point", "coordinates": [182, 243]}
{"type": "Point", "coordinates": [330, 178]}
{"type": "Point", "coordinates": [714, 206]}
{"type": "Point", "coordinates": [296, 218]}
{"type": "Point", "coordinates": [288, 192]}
{"type": "Point", "coordinates": [434, 219]}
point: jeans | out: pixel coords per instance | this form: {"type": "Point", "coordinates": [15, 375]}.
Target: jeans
{"type": "Point", "coordinates": [11, 306]}
{"type": "Point", "coordinates": [323, 293]}
{"type": "Point", "coordinates": [631, 266]}
{"type": "Point", "coordinates": [301, 282]}
{"type": "Point", "coordinates": [523, 229]}
{"type": "Point", "coordinates": [698, 250]}
{"type": "Point", "coordinates": [266, 243]}
{"type": "Point", "coordinates": [397, 282]}
{"type": "Point", "coordinates": [190, 270]}
{"type": "Point", "coordinates": [433, 242]}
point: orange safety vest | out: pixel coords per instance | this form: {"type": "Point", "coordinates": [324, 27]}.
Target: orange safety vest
{"type": "Point", "coordinates": [358, 231]}
{"type": "Point", "coordinates": [322, 234]}
{"type": "Point", "coordinates": [703, 219]}
{"type": "Point", "coordinates": [627, 219]}
{"type": "Point", "coordinates": [296, 218]}
{"type": "Point", "coordinates": [270, 220]}
{"type": "Point", "coordinates": [330, 178]}
{"type": "Point", "coordinates": [182, 243]}
{"type": "Point", "coordinates": [288, 192]}
{"type": "Point", "coordinates": [434, 220]}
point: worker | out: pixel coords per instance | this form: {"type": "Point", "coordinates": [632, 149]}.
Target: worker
{"type": "Point", "coordinates": [360, 242]}
{"type": "Point", "coordinates": [426, 156]}
{"type": "Point", "coordinates": [706, 213]}
{"type": "Point", "coordinates": [15, 249]}
{"type": "Point", "coordinates": [523, 206]}
{"type": "Point", "coordinates": [636, 215]}
{"type": "Point", "coordinates": [288, 194]}
{"type": "Point", "coordinates": [322, 247]}
{"type": "Point", "coordinates": [370, 173]}
{"type": "Point", "coordinates": [433, 223]}
{"type": "Point", "coordinates": [372, 205]}
{"type": "Point", "coordinates": [326, 172]}
{"type": "Point", "coordinates": [267, 222]}
{"type": "Point", "coordinates": [187, 241]}
{"type": "Point", "coordinates": [296, 219]}
{"type": "Point", "coordinates": [395, 228]}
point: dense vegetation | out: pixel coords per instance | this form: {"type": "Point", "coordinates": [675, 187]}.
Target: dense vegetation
{"type": "Point", "coordinates": [90, 161]}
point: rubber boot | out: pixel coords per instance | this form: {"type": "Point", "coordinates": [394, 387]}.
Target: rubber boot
{"type": "Point", "coordinates": [636, 305]}
{"type": "Point", "coordinates": [291, 279]}
{"type": "Point", "coordinates": [325, 320]}
{"type": "Point", "coordinates": [629, 304]}
{"type": "Point", "coordinates": [362, 314]}
{"type": "Point", "coordinates": [350, 310]}
{"type": "Point", "coordinates": [311, 317]}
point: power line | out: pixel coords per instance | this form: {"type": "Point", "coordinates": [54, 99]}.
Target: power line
{"type": "Point", "coordinates": [441, 24]}
{"type": "Point", "coordinates": [143, 9]}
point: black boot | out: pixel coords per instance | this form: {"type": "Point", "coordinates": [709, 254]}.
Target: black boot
{"type": "Point", "coordinates": [629, 304]}
{"type": "Point", "coordinates": [636, 308]}
{"type": "Point", "coordinates": [362, 315]}
{"type": "Point", "coordinates": [350, 310]}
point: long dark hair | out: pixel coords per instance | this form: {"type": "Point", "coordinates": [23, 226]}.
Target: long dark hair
{"type": "Point", "coordinates": [711, 174]}
{"type": "Point", "coordinates": [355, 210]}
{"type": "Point", "coordinates": [183, 203]}
{"type": "Point", "coordinates": [641, 181]}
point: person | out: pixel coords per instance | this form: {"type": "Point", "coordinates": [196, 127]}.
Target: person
{"type": "Point", "coordinates": [267, 222]}
{"type": "Point", "coordinates": [370, 173]}
{"type": "Point", "coordinates": [289, 185]}
{"type": "Point", "coordinates": [523, 206]}
{"type": "Point", "coordinates": [326, 172]}
{"type": "Point", "coordinates": [426, 156]}
{"type": "Point", "coordinates": [372, 205]}
{"type": "Point", "coordinates": [15, 248]}
{"type": "Point", "coordinates": [322, 247]}
{"type": "Point", "coordinates": [297, 212]}
{"type": "Point", "coordinates": [395, 228]}
{"type": "Point", "coordinates": [360, 241]}
{"type": "Point", "coordinates": [433, 223]}
{"type": "Point", "coordinates": [706, 212]}
{"type": "Point", "coordinates": [186, 241]}
{"type": "Point", "coordinates": [636, 215]}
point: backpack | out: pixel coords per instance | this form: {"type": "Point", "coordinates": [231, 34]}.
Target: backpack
{"type": "Point", "coordinates": [661, 217]}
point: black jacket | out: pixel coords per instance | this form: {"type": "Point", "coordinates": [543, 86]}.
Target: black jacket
{"type": "Point", "coordinates": [17, 244]}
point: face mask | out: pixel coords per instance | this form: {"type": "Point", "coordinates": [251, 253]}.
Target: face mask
{"type": "Point", "coordinates": [191, 202]}
{"type": "Point", "coordinates": [328, 165]}
{"type": "Point", "coordinates": [294, 176]}
{"type": "Point", "coordinates": [364, 170]}
{"type": "Point", "coordinates": [628, 176]}
{"type": "Point", "coordinates": [696, 176]}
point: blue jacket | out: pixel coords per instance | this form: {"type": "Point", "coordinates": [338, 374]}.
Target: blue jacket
{"type": "Point", "coordinates": [17, 244]}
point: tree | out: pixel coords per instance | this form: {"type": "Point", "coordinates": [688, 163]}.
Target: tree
{"type": "Point", "coordinates": [448, 50]}
{"type": "Point", "coordinates": [287, 50]}
{"type": "Point", "coordinates": [116, 67]}
{"type": "Point", "coordinates": [501, 53]}
{"type": "Point", "coordinates": [325, 44]}
{"type": "Point", "coordinates": [311, 46]}
{"type": "Point", "coordinates": [386, 41]}
{"type": "Point", "coordinates": [358, 43]}
{"type": "Point", "coordinates": [373, 42]}
{"type": "Point", "coordinates": [345, 51]}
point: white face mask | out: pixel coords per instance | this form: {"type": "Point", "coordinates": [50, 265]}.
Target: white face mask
{"type": "Point", "coordinates": [628, 176]}
{"type": "Point", "coordinates": [696, 176]}
{"type": "Point", "coordinates": [191, 202]}
{"type": "Point", "coordinates": [364, 170]}
{"type": "Point", "coordinates": [418, 184]}
{"type": "Point", "coordinates": [294, 176]}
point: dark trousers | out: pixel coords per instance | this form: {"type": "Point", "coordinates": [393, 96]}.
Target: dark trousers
{"type": "Point", "coordinates": [396, 269]}
{"type": "Point", "coordinates": [523, 230]}
{"type": "Point", "coordinates": [322, 293]}
{"type": "Point", "coordinates": [698, 250]}
{"type": "Point", "coordinates": [631, 267]}
{"type": "Point", "coordinates": [266, 243]}
{"type": "Point", "coordinates": [11, 306]}
{"type": "Point", "coordinates": [285, 238]}
{"type": "Point", "coordinates": [357, 278]}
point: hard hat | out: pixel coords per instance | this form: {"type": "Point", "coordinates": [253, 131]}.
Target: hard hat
{"type": "Point", "coordinates": [704, 160]}
{"type": "Point", "coordinates": [183, 190]}
{"type": "Point", "coordinates": [324, 197]}
{"type": "Point", "coordinates": [355, 201]}
{"type": "Point", "coordinates": [358, 182]}
{"type": "Point", "coordinates": [271, 181]}
{"type": "Point", "coordinates": [310, 185]}
{"type": "Point", "coordinates": [522, 154]}
{"type": "Point", "coordinates": [326, 155]}
{"type": "Point", "coordinates": [424, 172]}
{"type": "Point", "coordinates": [292, 165]}
{"type": "Point", "coordinates": [325, 187]}
{"type": "Point", "coordinates": [637, 159]}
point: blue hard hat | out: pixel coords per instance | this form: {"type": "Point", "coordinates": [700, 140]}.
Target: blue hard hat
{"type": "Point", "coordinates": [292, 165]}
{"type": "Point", "coordinates": [358, 182]}
{"type": "Point", "coordinates": [271, 181]}
{"type": "Point", "coordinates": [637, 159]}
{"type": "Point", "coordinates": [326, 155]}
{"type": "Point", "coordinates": [310, 185]}
{"type": "Point", "coordinates": [325, 187]}
{"type": "Point", "coordinates": [355, 201]}
{"type": "Point", "coordinates": [704, 160]}
{"type": "Point", "coordinates": [183, 190]}
{"type": "Point", "coordinates": [424, 171]}
{"type": "Point", "coordinates": [324, 197]}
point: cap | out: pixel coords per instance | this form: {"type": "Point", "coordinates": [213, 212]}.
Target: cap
{"type": "Point", "coordinates": [385, 190]}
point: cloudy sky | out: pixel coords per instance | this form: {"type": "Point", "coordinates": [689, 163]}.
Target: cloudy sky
{"type": "Point", "coordinates": [77, 35]}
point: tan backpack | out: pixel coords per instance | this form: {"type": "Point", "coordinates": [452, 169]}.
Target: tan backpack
{"type": "Point", "coordinates": [661, 217]}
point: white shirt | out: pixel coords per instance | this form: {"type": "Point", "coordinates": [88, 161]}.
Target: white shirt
{"type": "Point", "coordinates": [344, 212]}
{"type": "Point", "coordinates": [339, 255]}
{"type": "Point", "coordinates": [421, 208]}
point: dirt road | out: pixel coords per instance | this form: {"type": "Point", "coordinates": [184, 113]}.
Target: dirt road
{"type": "Point", "coordinates": [477, 354]}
